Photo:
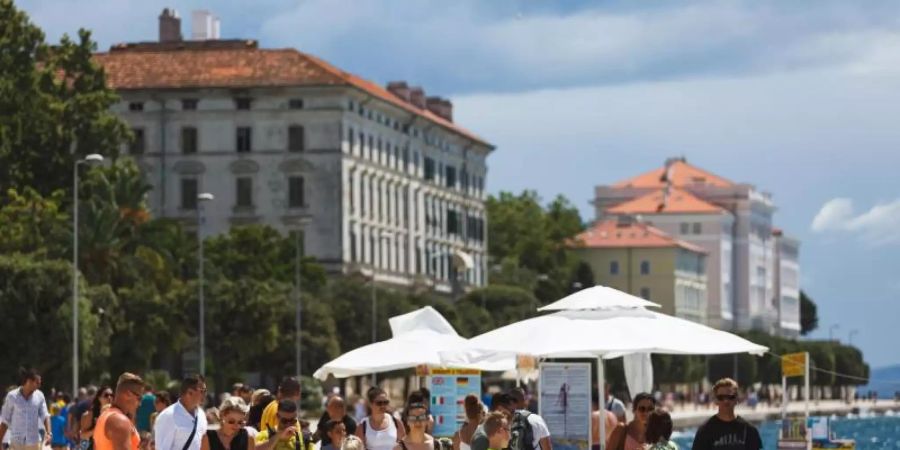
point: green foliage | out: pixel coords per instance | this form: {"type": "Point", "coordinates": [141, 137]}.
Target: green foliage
{"type": "Point", "coordinates": [59, 106]}
{"type": "Point", "coordinates": [809, 316]}
{"type": "Point", "coordinates": [33, 224]}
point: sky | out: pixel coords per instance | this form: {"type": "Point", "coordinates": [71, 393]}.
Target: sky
{"type": "Point", "coordinates": [798, 98]}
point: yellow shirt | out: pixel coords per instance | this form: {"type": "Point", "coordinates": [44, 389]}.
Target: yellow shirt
{"type": "Point", "coordinates": [270, 417]}
{"type": "Point", "coordinates": [289, 444]}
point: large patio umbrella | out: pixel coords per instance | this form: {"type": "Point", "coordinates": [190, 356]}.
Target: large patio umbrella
{"type": "Point", "coordinates": [603, 323]}
{"type": "Point", "coordinates": [418, 338]}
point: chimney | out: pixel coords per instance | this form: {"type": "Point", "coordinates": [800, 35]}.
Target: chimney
{"type": "Point", "coordinates": [417, 97]}
{"type": "Point", "coordinates": [169, 26]}
{"type": "Point", "coordinates": [204, 26]}
{"type": "Point", "coordinates": [441, 107]}
{"type": "Point", "coordinates": [399, 89]}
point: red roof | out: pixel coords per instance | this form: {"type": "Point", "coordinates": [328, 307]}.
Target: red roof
{"type": "Point", "coordinates": [679, 173]}
{"type": "Point", "coordinates": [615, 234]}
{"type": "Point", "coordinates": [149, 66]}
{"type": "Point", "coordinates": [677, 201]}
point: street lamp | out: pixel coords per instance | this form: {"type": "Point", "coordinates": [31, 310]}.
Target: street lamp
{"type": "Point", "coordinates": [204, 197]}
{"type": "Point", "coordinates": [93, 158]}
{"type": "Point", "coordinates": [299, 322]}
{"type": "Point", "coordinates": [831, 331]}
{"type": "Point", "coordinates": [850, 338]}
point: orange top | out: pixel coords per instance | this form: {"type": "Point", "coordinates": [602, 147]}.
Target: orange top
{"type": "Point", "coordinates": [101, 442]}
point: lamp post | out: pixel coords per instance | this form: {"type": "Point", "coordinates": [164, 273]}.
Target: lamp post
{"type": "Point", "coordinates": [204, 197]}
{"type": "Point", "coordinates": [850, 337]}
{"type": "Point", "coordinates": [299, 314]}
{"type": "Point", "coordinates": [89, 159]}
{"type": "Point", "coordinates": [831, 331]}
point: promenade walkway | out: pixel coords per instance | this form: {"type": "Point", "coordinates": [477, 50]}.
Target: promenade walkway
{"type": "Point", "coordinates": [693, 415]}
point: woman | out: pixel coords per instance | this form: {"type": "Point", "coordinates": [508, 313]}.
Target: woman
{"type": "Point", "coordinates": [231, 435]}
{"type": "Point", "coordinates": [89, 419]}
{"type": "Point", "coordinates": [631, 436]}
{"type": "Point", "coordinates": [462, 439]}
{"type": "Point", "coordinates": [336, 432]}
{"type": "Point", "coordinates": [379, 430]}
{"type": "Point", "coordinates": [659, 430]}
{"type": "Point", "coordinates": [256, 411]}
{"type": "Point", "coordinates": [416, 417]}
{"type": "Point", "coordinates": [162, 402]}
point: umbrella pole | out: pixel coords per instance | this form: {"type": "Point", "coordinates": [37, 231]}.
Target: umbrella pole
{"type": "Point", "coordinates": [601, 390]}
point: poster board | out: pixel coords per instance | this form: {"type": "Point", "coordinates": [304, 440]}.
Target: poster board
{"type": "Point", "coordinates": [565, 403]}
{"type": "Point", "coordinates": [449, 388]}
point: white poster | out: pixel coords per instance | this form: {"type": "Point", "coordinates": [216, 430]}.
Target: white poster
{"type": "Point", "coordinates": [565, 403]}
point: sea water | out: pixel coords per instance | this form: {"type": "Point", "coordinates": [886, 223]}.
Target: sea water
{"type": "Point", "coordinates": [870, 432]}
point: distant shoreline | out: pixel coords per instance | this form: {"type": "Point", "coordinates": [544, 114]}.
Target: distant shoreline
{"type": "Point", "coordinates": [688, 417]}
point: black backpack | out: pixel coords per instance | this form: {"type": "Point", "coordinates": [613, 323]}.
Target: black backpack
{"type": "Point", "coordinates": [521, 433]}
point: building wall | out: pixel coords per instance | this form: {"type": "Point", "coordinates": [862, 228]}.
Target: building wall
{"type": "Point", "coordinates": [788, 286]}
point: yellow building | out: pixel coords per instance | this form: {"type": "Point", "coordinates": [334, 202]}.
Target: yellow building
{"type": "Point", "coordinates": [637, 258]}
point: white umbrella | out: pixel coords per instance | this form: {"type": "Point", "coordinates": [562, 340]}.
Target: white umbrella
{"type": "Point", "coordinates": [598, 297]}
{"type": "Point", "coordinates": [418, 338]}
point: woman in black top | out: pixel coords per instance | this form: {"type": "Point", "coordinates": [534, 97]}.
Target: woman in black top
{"type": "Point", "coordinates": [231, 434]}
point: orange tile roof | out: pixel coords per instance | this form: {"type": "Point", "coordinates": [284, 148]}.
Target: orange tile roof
{"type": "Point", "coordinates": [241, 67]}
{"type": "Point", "coordinates": [614, 234]}
{"type": "Point", "coordinates": [678, 201]}
{"type": "Point", "coordinates": [680, 173]}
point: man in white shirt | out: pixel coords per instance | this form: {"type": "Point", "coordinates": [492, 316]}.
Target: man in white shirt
{"type": "Point", "coordinates": [182, 425]}
{"type": "Point", "coordinates": [25, 413]}
{"type": "Point", "coordinates": [538, 426]}
{"type": "Point", "coordinates": [615, 405]}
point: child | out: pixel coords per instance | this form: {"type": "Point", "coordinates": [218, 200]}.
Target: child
{"type": "Point", "coordinates": [659, 430]}
{"type": "Point", "coordinates": [58, 428]}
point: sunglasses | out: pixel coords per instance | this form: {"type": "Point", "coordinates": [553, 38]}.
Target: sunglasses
{"type": "Point", "coordinates": [287, 420]}
{"type": "Point", "coordinates": [383, 402]}
{"type": "Point", "coordinates": [107, 395]}
{"type": "Point", "coordinates": [418, 418]}
{"type": "Point", "coordinates": [722, 398]}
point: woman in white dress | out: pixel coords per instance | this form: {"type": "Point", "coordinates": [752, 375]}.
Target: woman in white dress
{"type": "Point", "coordinates": [380, 430]}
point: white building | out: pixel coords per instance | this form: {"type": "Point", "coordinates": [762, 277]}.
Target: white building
{"type": "Point", "coordinates": [376, 179]}
{"type": "Point", "coordinates": [733, 223]}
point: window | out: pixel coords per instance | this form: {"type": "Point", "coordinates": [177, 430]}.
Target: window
{"type": "Point", "coordinates": [429, 169]}
{"type": "Point", "coordinates": [242, 103]}
{"type": "Point", "coordinates": [188, 140]}
{"type": "Point", "coordinates": [350, 140]}
{"type": "Point", "coordinates": [244, 139]}
{"type": "Point", "coordinates": [136, 106]}
{"type": "Point", "coordinates": [697, 228]}
{"type": "Point", "coordinates": [370, 152]}
{"type": "Point", "coordinates": [295, 103]}
{"type": "Point", "coordinates": [614, 268]}
{"type": "Point", "coordinates": [353, 251]}
{"type": "Point", "coordinates": [244, 192]}
{"type": "Point", "coordinates": [295, 192]}
{"type": "Point", "coordinates": [350, 105]}
{"type": "Point", "coordinates": [189, 104]}
{"type": "Point", "coordinates": [453, 225]}
{"type": "Point", "coordinates": [450, 176]}
{"type": "Point", "coordinates": [138, 144]}
{"type": "Point", "coordinates": [685, 228]}
{"type": "Point", "coordinates": [189, 193]}
{"type": "Point", "coordinates": [645, 267]}
{"type": "Point", "coordinates": [645, 293]}
{"type": "Point", "coordinates": [296, 138]}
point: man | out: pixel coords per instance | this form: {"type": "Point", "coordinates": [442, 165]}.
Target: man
{"type": "Point", "coordinates": [146, 408]}
{"type": "Point", "coordinates": [611, 421]}
{"type": "Point", "coordinates": [335, 410]}
{"type": "Point", "coordinates": [23, 412]}
{"type": "Point", "coordinates": [242, 390]}
{"type": "Point", "coordinates": [182, 425]}
{"type": "Point", "coordinates": [496, 426]}
{"type": "Point", "coordinates": [289, 389]}
{"type": "Point", "coordinates": [502, 404]}
{"type": "Point", "coordinates": [286, 434]}
{"type": "Point", "coordinates": [524, 419]}
{"type": "Point", "coordinates": [615, 405]}
{"type": "Point", "coordinates": [114, 429]}
{"type": "Point", "coordinates": [725, 430]}
{"type": "Point", "coordinates": [82, 404]}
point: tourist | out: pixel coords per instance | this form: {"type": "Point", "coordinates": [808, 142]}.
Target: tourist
{"type": "Point", "coordinates": [615, 405]}
{"type": "Point", "coordinates": [426, 398]}
{"type": "Point", "coordinates": [422, 396]}
{"type": "Point", "coordinates": [335, 410]}
{"type": "Point", "coordinates": [260, 403]}
{"type": "Point", "coordinates": [183, 424]}
{"type": "Point", "coordinates": [289, 389]}
{"type": "Point", "coordinates": [76, 412]}
{"type": "Point", "coordinates": [416, 419]}
{"type": "Point", "coordinates": [529, 423]}
{"type": "Point", "coordinates": [24, 413]}
{"type": "Point", "coordinates": [611, 421]}
{"type": "Point", "coordinates": [462, 439]}
{"type": "Point", "coordinates": [102, 400]}
{"type": "Point", "coordinates": [335, 431]}
{"type": "Point", "coordinates": [659, 430]}
{"type": "Point", "coordinates": [58, 427]}
{"type": "Point", "coordinates": [379, 430]}
{"type": "Point", "coordinates": [114, 430]}
{"type": "Point", "coordinates": [725, 430]}
{"type": "Point", "coordinates": [245, 393]}
{"type": "Point", "coordinates": [161, 402]}
{"type": "Point", "coordinates": [147, 407]}
{"type": "Point", "coordinates": [231, 434]}
{"type": "Point", "coordinates": [631, 436]}
{"type": "Point", "coordinates": [286, 434]}
{"type": "Point", "coordinates": [496, 425]}
{"type": "Point", "coordinates": [501, 403]}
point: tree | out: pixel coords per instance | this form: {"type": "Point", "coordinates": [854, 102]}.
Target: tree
{"type": "Point", "coordinates": [58, 106]}
{"type": "Point", "coordinates": [809, 316]}
{"type": "Point", "coordinates": [33, 224]}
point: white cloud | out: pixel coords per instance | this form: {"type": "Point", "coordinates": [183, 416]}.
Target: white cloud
{"type": "Point", "coordinates": [878, 225]}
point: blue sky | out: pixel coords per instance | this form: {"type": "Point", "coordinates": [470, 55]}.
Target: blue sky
{"type": "Point", "coordinates": [799, 98]}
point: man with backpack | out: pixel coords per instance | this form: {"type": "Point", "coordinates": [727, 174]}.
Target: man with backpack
{"type": "Point", "coordinates": [528, 430]}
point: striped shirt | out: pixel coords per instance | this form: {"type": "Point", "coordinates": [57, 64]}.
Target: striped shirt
{"type": "Point", "coordinates": [24, 416]}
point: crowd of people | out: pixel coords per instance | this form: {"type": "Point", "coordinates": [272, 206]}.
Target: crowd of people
{"type": "Point", "coordinates": [132, 416]}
